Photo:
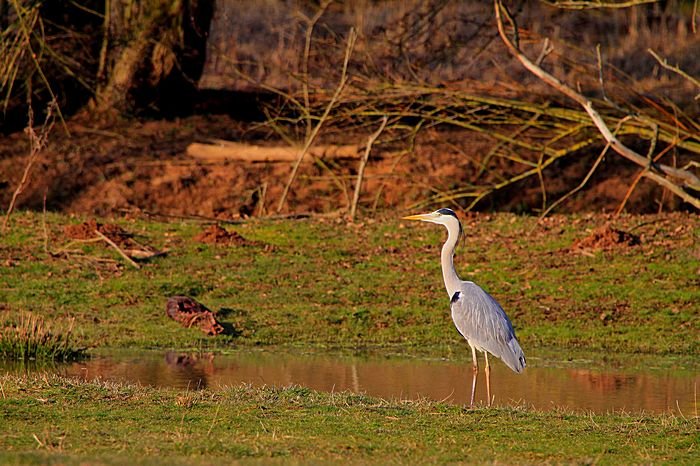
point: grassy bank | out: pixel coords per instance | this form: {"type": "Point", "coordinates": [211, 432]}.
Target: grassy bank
{"type": "Point", "coordinates": [326, 284]}
{"type": "Point", "coordinates": [65, 421]}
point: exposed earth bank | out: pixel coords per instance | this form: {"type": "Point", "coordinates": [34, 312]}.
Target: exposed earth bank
{"type": "Point", "coordinates": [141, 166]}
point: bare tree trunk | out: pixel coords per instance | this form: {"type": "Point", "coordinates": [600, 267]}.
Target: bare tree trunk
{"type": "Point", "coordinates": [134, 31]}
{"type": "Point", "coordinates": [145, 42]}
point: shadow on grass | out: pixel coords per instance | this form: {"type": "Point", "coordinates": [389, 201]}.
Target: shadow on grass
{"type": "Point", "coordinates": [229, 328]}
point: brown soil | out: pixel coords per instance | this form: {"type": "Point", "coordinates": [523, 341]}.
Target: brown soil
{"type": "Point", "coordinates": [86, 230]}
{"type": "Point", "coordinates": [215, 234]}
{"type": "Point", "coordinates": [141, 168]}
{"type": "Point", "coordinates": [605, 238]}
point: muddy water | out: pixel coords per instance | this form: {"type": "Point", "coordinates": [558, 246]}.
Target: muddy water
{"type": "Point", "coordinates": [598, 390]}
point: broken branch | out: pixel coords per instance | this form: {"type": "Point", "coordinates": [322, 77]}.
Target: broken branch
{"type": "Point", "coordinates": [117, 248]}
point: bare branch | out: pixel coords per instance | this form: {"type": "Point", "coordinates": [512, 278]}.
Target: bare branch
{"type": "Point", "coordinates": [360, 172]}
{"type": "Point", "coordinates": [655, 172]}
{"type": "Point", "coordinates": [586, 178]}
{"type": "Point", "coordinates": [311, 23]}
{"type": "Point", "coordinates": [37, 142]}
{"type": "Point", "coordinates": [676, 69]}
{"type": "Point", "coordinates": [580, 186]}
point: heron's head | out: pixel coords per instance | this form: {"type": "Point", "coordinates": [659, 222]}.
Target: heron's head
{"type": "Point", "coordinates": [444, 216]}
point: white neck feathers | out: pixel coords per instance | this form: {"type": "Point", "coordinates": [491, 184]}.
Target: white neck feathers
{"type": "Point", "coordinates": [449, 274]}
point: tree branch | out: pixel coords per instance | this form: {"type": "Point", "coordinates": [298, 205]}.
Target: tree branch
{"type": "Point", "coordinates": [676, 69]}
{"type": "Point", "coordinates": [360, 172]}
{"type": "Point", "coordinates": [653, 171]}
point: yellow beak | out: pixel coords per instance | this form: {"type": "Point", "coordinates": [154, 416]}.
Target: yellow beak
{"type": "Point", "coordinates": [423, 217]}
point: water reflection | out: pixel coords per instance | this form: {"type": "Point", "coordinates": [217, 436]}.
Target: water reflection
{"type": "Point", "coordinates": [541, 387]}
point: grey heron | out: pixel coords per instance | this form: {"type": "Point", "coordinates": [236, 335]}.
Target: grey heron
{"type": "Point", "coordinates": [476, 314]}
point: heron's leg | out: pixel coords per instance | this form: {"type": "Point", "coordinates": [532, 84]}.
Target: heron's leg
{"type": "Point", "coordinates": [487, 370]}
{"type": "Point", "coordinates": [475, 372]}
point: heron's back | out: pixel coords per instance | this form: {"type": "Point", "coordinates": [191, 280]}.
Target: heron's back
{"type": "Point", "coordinates": [484, 324]}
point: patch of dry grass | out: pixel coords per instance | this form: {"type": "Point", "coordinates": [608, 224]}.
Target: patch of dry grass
{"type": "Point", "coordinates": [27, 336]}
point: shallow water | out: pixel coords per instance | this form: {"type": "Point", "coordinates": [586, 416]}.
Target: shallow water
{"type": "Point", "coordinates": [563, 386]}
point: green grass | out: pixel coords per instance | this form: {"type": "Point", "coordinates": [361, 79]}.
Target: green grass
{"type": "Point", "coordinates": [69, 422]}
{"type": "Point", "coordinates": [327, 284]}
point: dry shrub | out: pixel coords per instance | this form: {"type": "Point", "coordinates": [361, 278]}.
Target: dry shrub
{"type": "Point", "coordinates": [48, 54]}
{"type": "Point", "coordinates": [438, 66]}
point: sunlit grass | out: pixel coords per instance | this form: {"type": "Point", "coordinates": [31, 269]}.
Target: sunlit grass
{"type": "Point", "coordinates": [77, 422]}
{"type": "Point", "coordinates": [324, 284]}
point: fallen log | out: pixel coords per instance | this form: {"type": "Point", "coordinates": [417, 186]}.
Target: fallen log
{"type": "Point", "coordinates": [220, 150]}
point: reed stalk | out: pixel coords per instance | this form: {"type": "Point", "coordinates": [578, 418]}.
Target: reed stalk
{"type": "Point", "coordinates": [28, 337]}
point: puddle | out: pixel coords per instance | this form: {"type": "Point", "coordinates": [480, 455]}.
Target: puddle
{"type": "Point", "coordinates": [577, 388]}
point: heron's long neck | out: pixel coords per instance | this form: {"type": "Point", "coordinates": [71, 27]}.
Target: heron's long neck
{"type": "Point", "coordinates": [449, 274]}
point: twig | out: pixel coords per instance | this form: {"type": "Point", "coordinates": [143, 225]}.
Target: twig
{"type": "Point", "coordinates": [118, 249]}
{"type": "Point", "coordinates": [221, 150]}
{"type": "Point", "coordinates": [580, 186]}
{"type": "Point", "coordinates": [35, 58]}
{"type": "Point", "coordinates": [601, 79]}
{"type": "Point", "coordinates": [540, 178]}
{"type": "Point", "coordinates": [105, 40]}
{"type": "Point", "coordinates": [639, 176]}
{"type": "Point", "coordinates": [547, 48]}
{"type": "Point", "coordinates": [336, 179]}
{"type": "Point", "coordinates": [36, 145]}
{"type": "Point", "coordinates": [41, 444]}
{"type": "Point", "coordinates": [68, 247]}
{"type": "Point", "coordinates": [363, 163]}
{"type": "Point", "coordinates": [262, 190]}
{"type": "Point", "coordinates": [588, 176]}
{"type": "Point", "coordinates": [352, 36]}
{"type": "Point", "coordinates": [676, 69]}
{"type": "Point", "coordinates": [655, 172]}
{"type": "Point", "coordinates": [213, 421]}
{"type": "Point", "coordinates": [305, 61]}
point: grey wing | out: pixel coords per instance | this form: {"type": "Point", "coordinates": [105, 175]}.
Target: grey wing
{"type": "Point", "coordinates": [484, 324]}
